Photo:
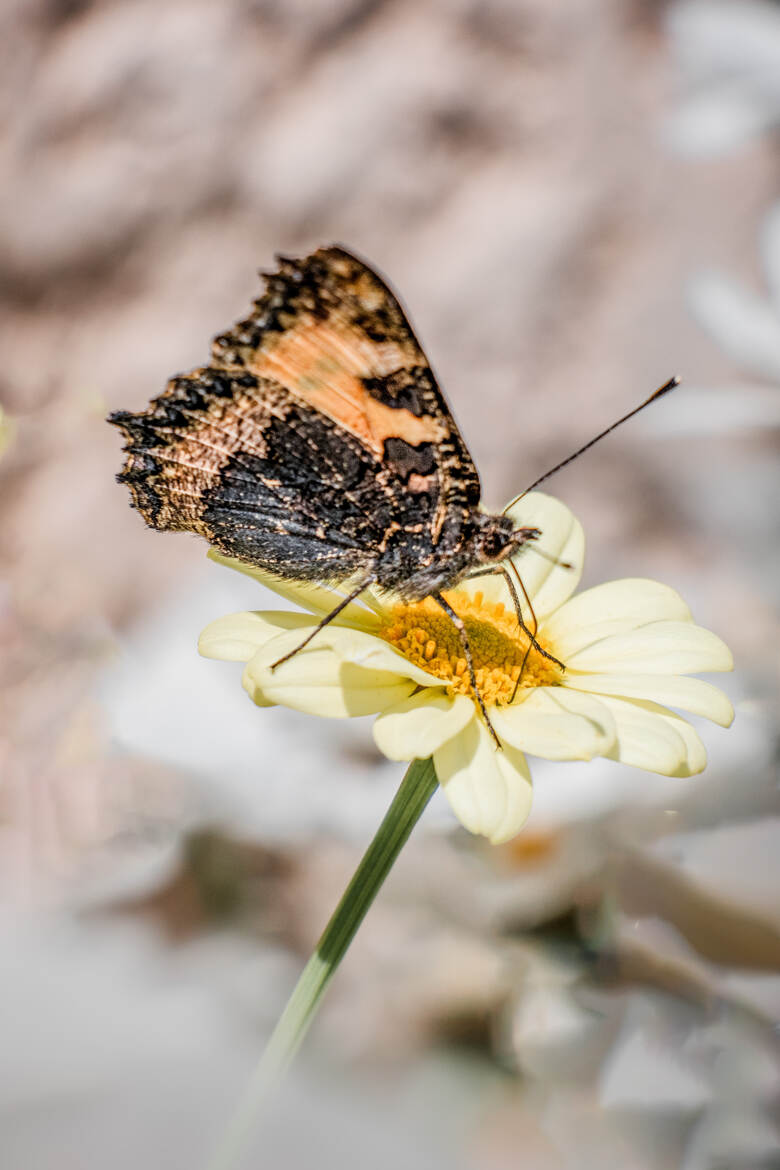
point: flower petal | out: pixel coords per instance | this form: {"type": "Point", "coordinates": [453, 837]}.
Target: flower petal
{"type": "Point", "coordinates": [650, 737]}
{"type": "Point", "coordinates": [366, 650]}
{"type": "Point", "coordinates": [238, 636]}
{"type": "Point", "coordinates": [254, 690]}
{"type": "Point", "coordinates": [555, 724]}
{"type": "Point", "coordinates": [612, 608]}
{"type": "Point", "coordinates": [673, 690]}
{"type": "Point", "coordinates": [491, 585]}
{"type": "Point", "coordinates": [549, 585]}
{"type": "Point", "coordinates": [320, 681]}
{"type": "Point", "coordinates": [418, 726]}
{"type": "Point", "coordinates": [316, 599]}
{"type": "Point", "coordinates": [381, 601]}
{"type": "Point", "coordinates": [696, 760]}
{"type": "Point", "coordinates": [660, 648]}
{"type": "Point", "coordinates": [489, 790]}
{"type": "Point", "coordinates": [342, 672]}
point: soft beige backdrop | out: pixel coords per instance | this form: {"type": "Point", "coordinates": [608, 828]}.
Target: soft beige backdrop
{"type": "Point", "coordinates": [574, 201]}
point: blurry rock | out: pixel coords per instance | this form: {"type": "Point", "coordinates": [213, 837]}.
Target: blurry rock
{"type": "Point", "coordinates": [718, 894]}
{"type": "Point", "coordinates": [218, 881]}
{"type": "Point", "coordinates": [645, 1073]}
{"type": "Point", "coordinates": [551, 1035]}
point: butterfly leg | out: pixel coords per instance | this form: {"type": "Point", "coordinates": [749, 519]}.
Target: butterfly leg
{"type": "Point", "coordinates": [334, 613]}
{"type": "Point", "coordinates": [464, 641]}
{"type": "Point", "coordinates": [518, 609]}
{"type": "Point", "coordinates": [531, 635]}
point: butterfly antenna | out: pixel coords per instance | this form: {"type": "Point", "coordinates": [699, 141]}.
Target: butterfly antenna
{"type": "Point", "coordinates": [548, 556]}
{"type": "Point", "coordinates": [670, 385]}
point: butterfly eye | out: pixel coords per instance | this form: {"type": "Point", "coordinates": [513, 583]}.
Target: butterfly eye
{"type": "Point", "coordinates": [494, 545]}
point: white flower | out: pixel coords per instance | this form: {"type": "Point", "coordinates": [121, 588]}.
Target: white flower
{"type": "Point", "coordinates": [628, 648]}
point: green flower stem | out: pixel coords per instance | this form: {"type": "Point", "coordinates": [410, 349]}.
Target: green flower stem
{"type": "Point", "coordinates": [416, 789]}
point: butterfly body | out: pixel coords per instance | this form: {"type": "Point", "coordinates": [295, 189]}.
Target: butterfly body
{"type": "Point", "coordinates": [317, 443]}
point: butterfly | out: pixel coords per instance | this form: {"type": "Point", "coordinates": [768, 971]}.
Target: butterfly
{"type": "Point", "coordinates": [317, 445]}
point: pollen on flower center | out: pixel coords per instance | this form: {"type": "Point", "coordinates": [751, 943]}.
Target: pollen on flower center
{"type": "Point", "coordinates": [427, 637]}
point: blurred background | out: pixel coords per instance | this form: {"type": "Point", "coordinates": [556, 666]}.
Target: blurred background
{"type": "Point", "coordinates": [575, 201]}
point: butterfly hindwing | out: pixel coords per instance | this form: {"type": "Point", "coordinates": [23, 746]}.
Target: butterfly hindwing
{"type": "Point", "coordinates": [236, 459]}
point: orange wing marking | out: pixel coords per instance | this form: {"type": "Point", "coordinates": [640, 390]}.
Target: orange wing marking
{"type": "Point", "coordinates": [323, 365]}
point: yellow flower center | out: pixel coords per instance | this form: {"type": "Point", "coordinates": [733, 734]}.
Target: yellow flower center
{"type": "Point", "coordinates": [427, 637]}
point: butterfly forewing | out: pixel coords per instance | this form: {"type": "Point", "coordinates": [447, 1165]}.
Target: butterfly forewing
{"type": "Point", "coordinates": [316, 436]}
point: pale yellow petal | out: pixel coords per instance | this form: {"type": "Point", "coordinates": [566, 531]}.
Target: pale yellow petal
{"type": "Point", "coordinates": [612, 608]}
{"type": "Point", "coordinates": [491, 585]}
{"type": "Point", "coordinates": [696, 759]}
{"type": "Point", "coordinates": [556, 724]}
{"type": "Point", "coordinates": [650, 737]}
{"type": "Point", "coordinates": [366, 650]}
{"type": "Point", "coordinates": [317, 599]}
{"type": "Point", "coordinates": [254, 690]}
{"type": "Point", "coordinates": [549, 585]}
{"type": "Point", "coordinates": [379, 600]}
{"type": "Point", "coordinates": [672, 690]}
{"type": "Point", "coordinates": [660, 648]}
{"type": "Point", "coordinates": [489, 790]}
{"type": "Point", "coordinates": [418, 726]}
{"type": "Point", "coordinates": [321, 681]}
{"type": "Point", "coordinates": [238, 636]}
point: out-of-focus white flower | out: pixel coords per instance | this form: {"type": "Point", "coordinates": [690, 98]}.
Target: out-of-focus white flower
{"type": "Point", "coordinates": [744, 323]}
{"type": "Point", "coordinates": [729, 59]}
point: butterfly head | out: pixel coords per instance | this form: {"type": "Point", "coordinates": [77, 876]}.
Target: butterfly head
{"type": "Point", "coordinates": [496, 538]}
